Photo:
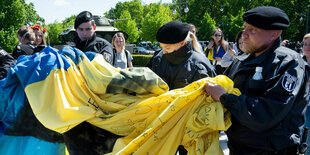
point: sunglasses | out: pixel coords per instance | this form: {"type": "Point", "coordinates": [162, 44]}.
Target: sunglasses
{"type": "Point", "coordinates": [217, 35]}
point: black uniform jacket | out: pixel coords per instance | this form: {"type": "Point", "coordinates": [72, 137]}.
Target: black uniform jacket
{"type": "Point", "coordinates": [6, 61]}
{"type": "Point", "coordinates": [24, 49]}
{"type": "Point", "coordinates": [181, 67]}
{"type": "Point", "coordinates": [269, 114]}
{"type": "Point", "coordinates": [96, 44]}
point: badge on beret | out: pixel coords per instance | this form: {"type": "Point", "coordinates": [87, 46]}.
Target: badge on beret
{"type": "Point", "coordinates": [18, 48]}
{"type": "Point", "coordinates": [289, 82]}
{"type": "Point", "coordinates": [88, 15]}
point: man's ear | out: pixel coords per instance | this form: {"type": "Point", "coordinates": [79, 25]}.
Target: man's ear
{"type": "Point", "coordinates": [95, 27]}
{"type": "Point", "coordinates": [275, 34]}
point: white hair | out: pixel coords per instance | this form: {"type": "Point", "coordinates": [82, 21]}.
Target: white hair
{"type": "Point", "coordinates": [196, 45]}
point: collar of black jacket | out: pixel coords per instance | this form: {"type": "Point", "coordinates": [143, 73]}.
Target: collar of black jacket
{"type": "Point", "coordinates": [179, 55]}
{"type": "Point", "coordinates": [83, 44]}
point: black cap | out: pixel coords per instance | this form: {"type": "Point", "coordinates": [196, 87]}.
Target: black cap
{"type": "Point", "coordinates": [83, 17]}
{"type": "Point", "coordinates": [172, 32]}
{"type": "Point", "coordinates": [267, 18]}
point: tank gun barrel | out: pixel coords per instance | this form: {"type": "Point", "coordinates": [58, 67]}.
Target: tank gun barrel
{"type": "Point", "coordinates": [112, 21]}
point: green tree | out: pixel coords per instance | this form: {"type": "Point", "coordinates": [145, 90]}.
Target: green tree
{"type": "Point", "coordinates": [129, 26]}
{"type": "Point", "coordinates": [219, 10]}
{"type": "Point", "coordinates": [134, 7]}
{"type": "Point", "coordinates": [69, 21]}
{"type": "Point", "coordinates": [295, 9]}
{"type": "Point", "coordinates": [10, 21]}
{"type": "Point", "coordinates": [14, 14]}
{"type": "Point", "coordinates": [159, 14]}
{"type": "Point", "coordinates": [54, 29]}
{"type": "Point", "coordinates": [32, 17]}
{"type": "Point", "coordinates": [207, 26]}
{"type": "Point", "coordinates": [8, 39]}
{"type": "Point", "coordinates": [235, 25]}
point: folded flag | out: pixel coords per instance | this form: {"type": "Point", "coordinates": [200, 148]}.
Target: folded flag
{"type": "Point", "coordinates": [68, 87]}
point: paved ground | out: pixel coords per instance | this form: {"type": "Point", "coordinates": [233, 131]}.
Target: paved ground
{"type": "Point", "coordinates": [223, 143]}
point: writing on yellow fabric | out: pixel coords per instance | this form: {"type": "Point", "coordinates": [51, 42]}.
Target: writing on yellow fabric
{"type": "Point", "coordinates": [150, 123]}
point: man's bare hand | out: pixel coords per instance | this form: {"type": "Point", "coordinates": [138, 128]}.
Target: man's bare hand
{"type": "Point", "coordinates": [214, 90]}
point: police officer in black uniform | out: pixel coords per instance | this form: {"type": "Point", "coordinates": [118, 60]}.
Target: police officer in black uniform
{"type": "Point", "coordinates": [181, 61]}
{"type": "Point", "coordinates": [86, 138]}
{"type": "Point", "coordinates": [269, 115]}
{"type": "Point", "coordinates": [86, 39]}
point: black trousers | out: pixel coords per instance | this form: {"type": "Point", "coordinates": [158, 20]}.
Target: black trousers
{"type": "Point", "coordinates": [243, 150]}
{"type": "Point", "coordinates": [219, 69]}
{"type": "Point", "coordinates": [181, 150]}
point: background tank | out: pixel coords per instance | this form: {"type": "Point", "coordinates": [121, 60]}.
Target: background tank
{"type": "Point", "coordinates": [104, 30]}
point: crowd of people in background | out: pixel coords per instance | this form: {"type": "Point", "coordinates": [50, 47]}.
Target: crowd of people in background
{"type": "Point", "coordinates": [269, 116]}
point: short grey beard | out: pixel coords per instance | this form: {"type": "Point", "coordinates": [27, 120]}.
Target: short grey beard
{"type": "Point", "coordinates": [253, 50]}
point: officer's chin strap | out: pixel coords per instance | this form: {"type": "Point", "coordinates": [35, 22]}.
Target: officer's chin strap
{"type": "Point", "coordinates": [303, 142]}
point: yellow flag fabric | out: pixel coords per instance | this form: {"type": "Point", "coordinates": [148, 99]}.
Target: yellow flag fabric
{"type": "Point", "coordinates": [134, 103]}
{"type": "Point", "coordinates": [210, 54]}
{"type": "Point", "coordinates": [183, 116]}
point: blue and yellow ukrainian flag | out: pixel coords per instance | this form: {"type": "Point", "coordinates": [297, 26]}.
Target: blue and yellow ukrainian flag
{"type": "Point", "coordinates": [68, 87]}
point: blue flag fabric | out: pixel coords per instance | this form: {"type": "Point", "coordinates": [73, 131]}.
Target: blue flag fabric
{"type": "Point", "coordinates": [28, 70]}
{"type": "Point", "coordinates": [31, 74]}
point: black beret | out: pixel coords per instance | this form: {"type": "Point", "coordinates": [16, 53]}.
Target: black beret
{"type": "Point", "coordinates": [172, 32]}
{"type": "Point", "coordinates": [267, 18]}
{"type": "Point", "coordinates": [83, 17]}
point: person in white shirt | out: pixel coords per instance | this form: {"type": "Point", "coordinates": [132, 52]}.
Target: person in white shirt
{"type": "Point", "coordinates": [123, 58]}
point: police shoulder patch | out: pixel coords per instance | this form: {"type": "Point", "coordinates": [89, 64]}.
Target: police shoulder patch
{"type": "Point", "coordinates": [289, 82]}
{"type": "Point", "coordinates": [107, 56]}
{"type": "Point", "coordinates": [2, 52]}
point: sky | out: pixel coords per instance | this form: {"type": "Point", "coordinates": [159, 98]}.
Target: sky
{"type": "Point", "coordinates": [58, 10]}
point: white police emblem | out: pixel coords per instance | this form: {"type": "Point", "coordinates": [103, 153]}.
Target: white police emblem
{"type": "Point", "coordinates": [107, 56]}
{"type": "Point", "coordinates": [289, 82]}
{"type": "Point", "coordinates": [2, 52]}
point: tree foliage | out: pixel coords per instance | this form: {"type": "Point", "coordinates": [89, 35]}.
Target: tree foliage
{"type": "Point", "coordinates": [231, 13]}
{"type": "Point", "coordinates": [154, 19]}
{"type": "Point", "coordinates": [129, 26]}
{"type": "Point", "coordinates": [236, 24]}
{"type": "Point", "coordinates": [134, 7]}
{"type": "Point", "coordinates": [207, 26]}
{"type": "Point", "coordinates": [32, 17]}
{"type": "Point", "coordinates": [10, 21]}
{"type": "Point", "coordinates": [144, 20]}
{"type": "Point", "coordinates": [54, 29]}
{"type": "Point", "coordinates": [14, 14]}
